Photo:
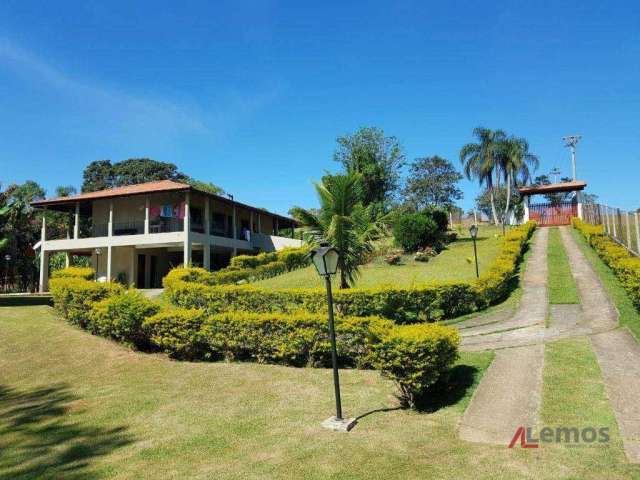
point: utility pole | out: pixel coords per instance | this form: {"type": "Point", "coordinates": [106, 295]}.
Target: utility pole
{"type": "Point", "coordinates": [571, 142]}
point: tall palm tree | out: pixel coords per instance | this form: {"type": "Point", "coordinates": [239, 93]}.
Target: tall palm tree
{"type": "Point", "coordinates": [516, 163]}
{"type": "Point", "coordinates": [342, 221]}
{"type": "Point", "coordinates": [481, 161]}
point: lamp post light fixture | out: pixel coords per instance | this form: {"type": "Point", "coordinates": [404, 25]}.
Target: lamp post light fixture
{"type": "Point", "coordinates": [473, 231]}
{"type": "Point", "coordinates": [325, 259]}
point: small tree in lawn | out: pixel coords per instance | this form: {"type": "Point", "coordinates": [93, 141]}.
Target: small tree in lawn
{"type": "Point", "coordinates": [433, 181]}
{"type": "Point", "coordinates": [342, 221]}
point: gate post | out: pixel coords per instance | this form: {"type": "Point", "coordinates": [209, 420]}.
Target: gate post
{"type": "Point", "coordinates": [526, 208]}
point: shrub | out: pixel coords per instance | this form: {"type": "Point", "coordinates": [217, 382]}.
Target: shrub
{"type": "Point", "coordinates": [176, 331]}
{"type": "Point", "coordinates": [252, 261]}
{"type": "Point", "coordinates": [415, 231]}
{"type": "Point", "coordinates": [75, 272]}
{"type": "Point", "coordinates": [73, 297]}
{"type": "Point", "coordinates": [625, 266]}
{"type": "Point", "coordinates": [120, 316]}
{"type": "Point", "coordinates": [415, 357]}
{"type": "Point", "coordinates": [422, 256]}
{"type": "Point", "coordinates": [393, 258]}
{"type": "Point", "coordinates": [440, 216]}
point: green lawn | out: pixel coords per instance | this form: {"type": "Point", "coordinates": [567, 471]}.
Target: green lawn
{"type": "Point", "coordinates": [76, 406]}
{"type": "Point", "coordinates": [574, 396]}
{"type": "Point", "coordinates": [455, 263]}
{"type": "Point", "coordinates": [561, 285]}
{"type": "Point", "coordinates": [629, 316]}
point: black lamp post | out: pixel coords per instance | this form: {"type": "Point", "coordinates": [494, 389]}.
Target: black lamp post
{"type": "Point", "coordinates": [7, 259]}
{"type": "Point", "coordinates": [325, 259]}
{"type": "Point", "coordinates": [473, 231]}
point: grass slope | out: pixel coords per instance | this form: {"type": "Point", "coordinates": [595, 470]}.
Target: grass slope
{"type": "Point", "coordinates": [455, 263]}
{"type": "Point", "coordinates": [574, 396]}
{"type": "Point", "coordinates": [75, 406]}
{"type": "Point", "coordinates": [629, 316]}
{"type": "Point", "coordinates": [561, 285]}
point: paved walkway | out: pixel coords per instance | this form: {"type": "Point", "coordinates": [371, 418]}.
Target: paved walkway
{"type": "Point", "coordinates": [510, 391]}
{"type": "Point", "coordinates": [617, 350]}
{"type": "Point", "coordinates": [509, 394]}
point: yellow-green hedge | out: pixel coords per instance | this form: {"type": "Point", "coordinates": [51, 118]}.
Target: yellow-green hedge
{"type": "Point", "coordinates": [625, 266]}
{"type": "Point", "coordinates": [73, 297]}
{"type": "Point", "coordinates": [413, 356]}
{"type": "Point", "coordinates": [427, 302]}
{"type": "Point", "coordinates": [75, 272]}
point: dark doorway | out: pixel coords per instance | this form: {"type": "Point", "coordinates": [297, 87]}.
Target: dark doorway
{"type": "Point", "coordinates": [142, 267]}
{"type": "Point", "coordinates": [155, 278]}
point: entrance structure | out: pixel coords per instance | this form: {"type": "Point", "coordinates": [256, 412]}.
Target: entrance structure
{"type": "Point", "coordinates": [551, 213]}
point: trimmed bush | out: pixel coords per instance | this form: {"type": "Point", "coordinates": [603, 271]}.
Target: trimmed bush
{"type": "Point", "coordinates": [415, 231]}
{"type": "Point", "coordinates": [176, 331]}
{"type": "Point", "coordinates": [121, 316]}
{"type": "Point", "coordinates": [415, 357]}
{"type": "Point", "coordinates": [440, 216]}
{"type": "Point", "coordinates": [74, 296]}
{"type": "Point", "coordinates": [625, 266]}
{"type": "Point", "coordinates": [252, 261]}
{"type": "Point", "coordinates": [427, 302]}
{"type": "Point", "coordinates": [75, 272]}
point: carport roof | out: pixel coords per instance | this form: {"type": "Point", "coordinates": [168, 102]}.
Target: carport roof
{"type": "Point", "coordinates": [573, 186]}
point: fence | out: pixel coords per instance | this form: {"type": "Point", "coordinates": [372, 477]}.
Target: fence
{"type": "Point", "coordinates": [621, 226]}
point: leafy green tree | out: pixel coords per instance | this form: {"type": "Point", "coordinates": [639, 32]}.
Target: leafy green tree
{"type": "Point", "coordinates": [102, 174]}
{"type": "Point", "coordinates": [65, 190]}
{"type": "Point", "coordinates": [342, 221]}
{"type": "Point", "coordinates": [432, 181]}
{"type": "Point", "coordinates": [481, 161]}
{"type": "Point", "coordinates": [553, 198]}
{"type": "Point", "coordinates": [376, 158]}
{"type": "Point", "coordinates": [516, 163]}
{"type": "Point", "coordinates": [483, 202]}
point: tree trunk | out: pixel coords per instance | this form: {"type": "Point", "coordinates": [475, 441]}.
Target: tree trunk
{"type": "Point", "coordinates": [493, 207]}
{"type": "Point", "coordinates": [343, 279]}
{"type": "Point", "coordinates": [506, 209]}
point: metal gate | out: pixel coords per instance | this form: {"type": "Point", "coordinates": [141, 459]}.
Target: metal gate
{"type": "Point", "coordinates": [547, 214]}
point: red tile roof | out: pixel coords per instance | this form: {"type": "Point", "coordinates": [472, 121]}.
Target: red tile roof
{"type": "Point", "coordinates": [149, 187]}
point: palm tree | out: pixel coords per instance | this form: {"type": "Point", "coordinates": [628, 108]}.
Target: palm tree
{"type": "Point", "coordinates": [342, 221]}
{"type": "Point", "coordinates": [515, 162]}
{"type": "Point", "coordinates": [482, 161]}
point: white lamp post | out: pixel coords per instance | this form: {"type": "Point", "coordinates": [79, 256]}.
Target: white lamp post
{"type": "Point", "coordinates": [325, 259]}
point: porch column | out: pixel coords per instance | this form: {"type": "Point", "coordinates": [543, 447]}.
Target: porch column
{"type": "Point", "coordinates": [187, 231]}
{"type": "Point", "coordinates": [579, 198]}
{"type": "Point", "coordinates": [206, 255]}
{"type": "Point", "coordinates": [110, 224]}
{"type": "Point", "coordinates": [526, 209]}
{"type": "Point", "coordinates": [132, 267]}
{"type": "Point", "coordinates": [235, 230]}
{"type": "Point", "coordinates": [76, 224]}
{"type": "Point", "coordinates": [207, 216]}
{"type": "Point", "coordinates": [67, 259]}
{"type": "Point", "coordinates": [109, 262]}
{"type": "Point", "coordinates": [44, 258]}
{"type": "Point", "coordinates": [146, 216]}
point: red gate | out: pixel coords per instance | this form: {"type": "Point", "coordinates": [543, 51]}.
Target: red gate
{"type": "Point", "coordinates": [547, 214]}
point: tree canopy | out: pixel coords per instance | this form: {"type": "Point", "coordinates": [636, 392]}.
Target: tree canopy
{"type": "Point", "coordinates": [377, 160]}
{"type": "Point", "coordinates": [103, 174]}
{"type": "Point", "coordinates": [432, 181]}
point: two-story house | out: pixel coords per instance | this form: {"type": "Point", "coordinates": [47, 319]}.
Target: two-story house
{"type": "Point", "coordinates": [139, 232]}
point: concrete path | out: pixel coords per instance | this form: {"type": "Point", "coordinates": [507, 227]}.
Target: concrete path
{"type": "Point", "coordinates": [508, 396]}
{"type": "Point", "coordinates": [527, 325]}
{"type": "Point", "coordinates": [617, 350]}
{"type": "Point", "coordinates": [510, 391]}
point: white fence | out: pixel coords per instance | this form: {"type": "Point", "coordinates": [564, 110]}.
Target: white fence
{"type": "Point", "coordinates": [621, 226]}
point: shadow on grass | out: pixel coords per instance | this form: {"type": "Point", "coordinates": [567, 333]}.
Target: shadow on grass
{"type": "Point", "coordinates": [448, 391]}
{"type": "Point", "coordinates": [39, 440]}
{"type": "Point", "coordinates": [24, 300]}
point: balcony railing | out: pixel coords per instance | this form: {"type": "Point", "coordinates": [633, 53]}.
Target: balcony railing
{"type": "Point", "coordinates": [165, 225]}
{"type": "Point", "coordinates": [100, 230]}
{"type": "Point", "coordinates": [128, 228]}
{"type": "Point", "coordinates": [197, 227]}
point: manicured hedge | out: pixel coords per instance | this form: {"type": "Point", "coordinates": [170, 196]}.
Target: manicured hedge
{"type": "Point", "coordinates": [75, 272]}
{"type": "Point", "coordinates": [625, 266]}
{"type": "Point", "coordinates": [427, 302]}
{"type": "Point", "coordinates": [73, 297]}
{"type": "Point", "coordinates": [413, 356]}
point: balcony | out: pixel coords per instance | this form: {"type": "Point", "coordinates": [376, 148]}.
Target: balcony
{"type": "Point", "coordinates": [128, 228]}
{"type": "Point", "coordinates": [165, 225]}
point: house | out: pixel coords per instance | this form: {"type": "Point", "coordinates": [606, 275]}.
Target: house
{"type": "Point", "coordinates": [139, 232]}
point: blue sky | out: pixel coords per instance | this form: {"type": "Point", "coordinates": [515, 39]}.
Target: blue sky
{"type": "Point", "coordinates": [251, 95]}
